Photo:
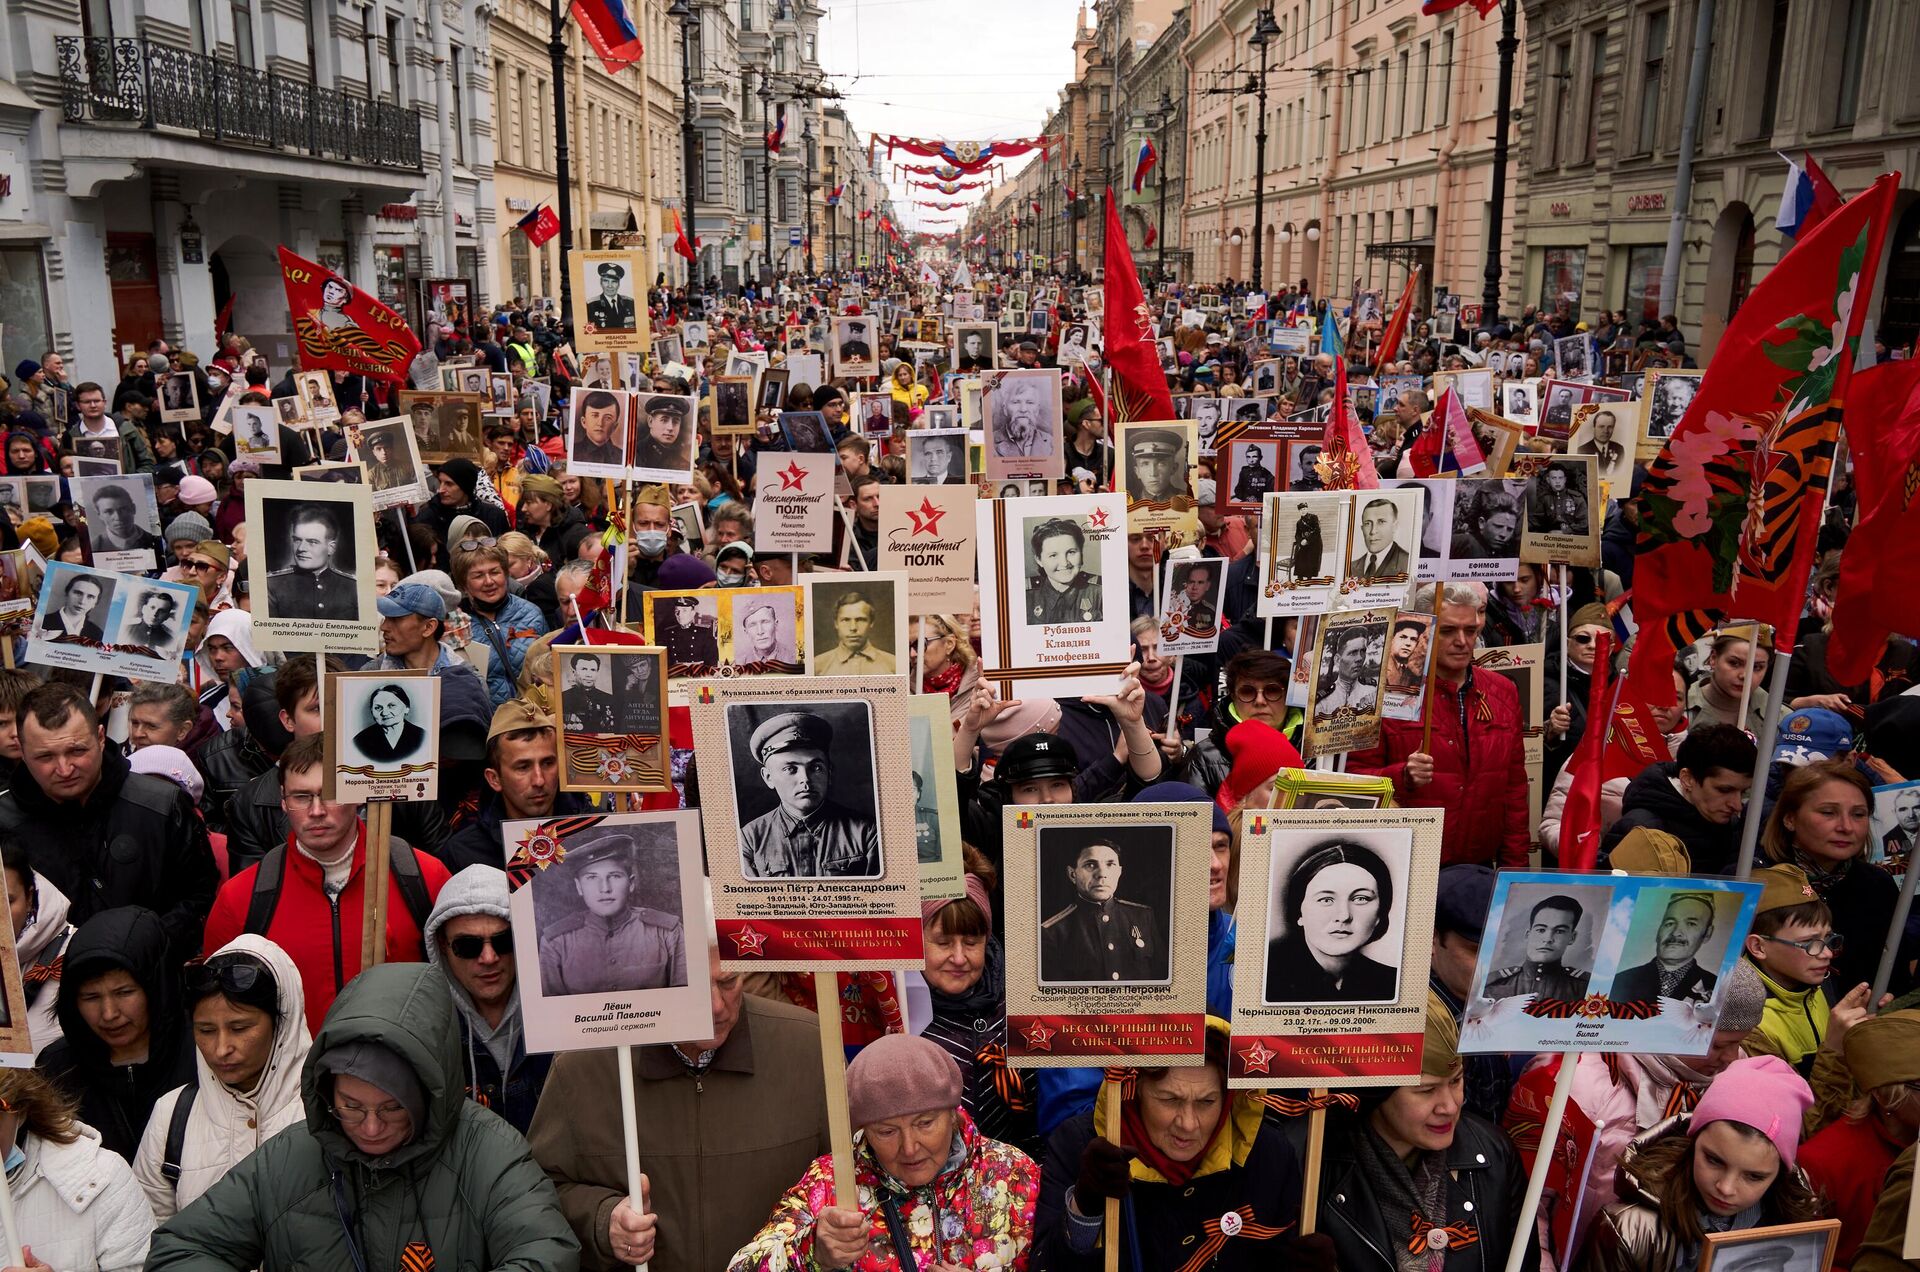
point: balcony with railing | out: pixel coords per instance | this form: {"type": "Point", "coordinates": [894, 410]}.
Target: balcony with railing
{"type": "Point", "coordinates": [113, 81]}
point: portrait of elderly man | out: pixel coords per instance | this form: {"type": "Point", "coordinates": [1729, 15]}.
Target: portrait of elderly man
{"type": "Point", "coordinates": [763, 631]}
{"type": "Point", "coordinates": [1899, 842]}
{"type": "Point", "coordinates": [589, 702]}
{"type": "Point", "coordinates": [1022, 428]}
{"type": "Point", "coordinates": [1673, 972]}
{"type": "Point", "coordinates": [854, 652]}
{"type": "Point", "coordinates": [806, 835]}
{"type": "Point", "coordinates": [611, 310]}
{"type": "Point", "coordinates": [1377, 555]}
{"type": "Point", "coordinates": [310, 585]}
{"type": "Point", "coordinates": [613, 945]}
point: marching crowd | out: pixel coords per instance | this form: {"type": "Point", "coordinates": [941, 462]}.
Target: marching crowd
{"type": "Point", "coordinates": [220, 1083]}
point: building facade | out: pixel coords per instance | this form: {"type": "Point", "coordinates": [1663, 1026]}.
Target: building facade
{"type": "Point", "coordinates": [153, 155]}
{"type": "Point", "coordinates": [1599, 153]}
{"type": "Point", "coordinates": [1153, 109]}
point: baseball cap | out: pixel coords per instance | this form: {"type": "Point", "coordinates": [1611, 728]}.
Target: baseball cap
{"type": "Point", "coordinates": [412, 598]}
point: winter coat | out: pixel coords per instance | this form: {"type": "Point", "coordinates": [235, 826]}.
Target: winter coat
{"type": "Point", "coordinates": [136, 840]}
{"type": "Point", "coordinates": [321, 934]}
{"type": "Point", "coordinates": [721, 1142]}
{"type": "Point", "coordinates": [465, 1186]}
{"type": "Point", "coordinates": [1653, 801]}
{"type": "Point", "coordinates": [478, 843]}
{"type": "Point", "coordinates": [41, 949]}
{"type": "Point", "coordinates": [971, 1027]}
{"type": "Point", "coordinates": [1847, 1162]}
{"type": "Point", "coordinates": [116, 1099]}
{"type": "Point", "coordinates": [463, 694]}
{"type": "Point", "coordinates": [1484, 1190]}
{"type": "Point", "coordinates": [1249, 1165]}
{"type": "Point", "coordinates": [224, 1125]}
{"type": "Point", "coordinates": [227, 762]}
{"type": "Point", "coordinates": [561, 540]}
{"type": "Point", "coordinates": [78, 1206]}
{"type": "Point", "coordinates": [1863, 900]}
{"type": "Point", "coordinates": [981, 1203]}
{"type": "Point", "coordinates": [508, 636]}
{"type": "Point", "coordinates": [1792, 1024]}
{"type": "Point", "coordinates": [1887, 1231]}
{"type": "Point", "coordinates": [1479, 775]}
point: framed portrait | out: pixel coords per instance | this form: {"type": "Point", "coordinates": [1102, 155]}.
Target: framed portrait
{"type": "Point", "coordinates": [669, 351]}
{"type": "Point", "coordinates": [856, 347]}
{"type": "Point", "coordinates": [1523, 666]}
{"type": "Point", "coordinates": [1516, 401]}
{"type": "Point", "coordinates": [1573, 357]}
{"type": "Point", "coordinates": [1487, 520]}
{"type": "Point", "coordinates": [731, 632]}
{"type": "Point", "coordinates": [692, 525]}
{"type": "Point", "coordinates": [1290, 340]}
{"type": "Point", "coordinates": [315, 391]}
{"type": "Point", "coordinates": [389, 451]}
{"type": "Point", "coordinates": [1436, 523]}
{"type": "Point", "coordinates": [1160, 466]}
{"type": "Point", "coordinates": [1474, 387]}
{"type": "Point", "coordinates": [122, 522]}
{"type": "Point", "coordinates": [787, 749]}
{"type": "Point", "coordinates": [383, 736]}
{"type": "Point", "coordinates": [1664, 399]}
{"type": "Point", "coordinates": [613, 908]}
{"type": "Point", "coordinates": [16, 1035]}
{"type": "Point", "coordinates": [1100, 934]}
{"type": "Point", "coordinates": [1610, 432]}
{"type": "Point", "coordinates": [871, 414]}
{"type": "Point", "coordinates": [16, 587]}
{"type": "Point", "coordinates": [598, 432]}
{"type": "Point", "coordinates": [1023, 424]}
{"type": "Point", "coordinates": [1302, 559]}
{"type": "Point", "coordinates": [609, 299]}
{"type": "Point", "coordinates": [1264, 376]}
{"type": "Point", "coordinates": [449, 302]}
{"type": "Point", "coordinates": [772, 395]}
{"type": "Point", "coordinates": [1052, 593]}
{"type": "Point", "coordinates": [732, 404]}
{"type": "Point", "coordinates": [311, 565]}
{"type": "Point", "coordinates": [292, 411]}
{"type": "Point", "coordinates": [665, 436]}
{"type": "Point", "coordinates": [1317, 789]}
{"type": "Point", "coordinates": [937, 457]}
{"type": "Point", "coordinates": [179, 397]}
{"type": "Point", "coordinates": [93, 620]}
{"type": "Point", "coordinates": [1406, 664]}
{"type": "Point", "coordinates": [1498, 439]}
{"type": "Point", "coordinates": [857, 623]}
{"type": "Point", "coordinates": [1564, 509]}
{"type": "Point", "coordinates": [937, 838]}
{"type": "Point", "coordinates": [1192, 592]}
{"type": "Point", "coordinates": [806, 431]}
{"type": "Point", "coordinates": [1382, 546]}
{"type": "Point", "coordinates": [350, 472]}
{"type": "Point", "coordinates": [256, 433]}
{"type": "Point", "coordinates": [1787, 1247]}
{"type": "Point", "coordinates": [84, 467]}
{"type": "Point", "coordinates": [1336, 915]}
{"type": "Point", "coordinates": [1558, 398]}
{"type": "Point", "coordinates": [1344, 697]}
{"type": "Point", "coordinates": [445, 425]}
{"type": "Point", "coordinates": [1896, 827]}
{"type": "Point", "coordinates": [974, 344]}
{"type": "Point", "coordinates": [611, 701]}
{"type": "Point", "coordinates": [697, 335]}
{"type": "Point", "coordinates": [937, 415]}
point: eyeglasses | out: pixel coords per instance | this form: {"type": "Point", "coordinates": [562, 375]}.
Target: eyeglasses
{"type": "Point", "coordinates": [229, 979]}
{"type": "Point", "coordinates": [300, 801]}
{"type": "Point", "coordinates": [1813, 946]}
{"type": "Point", "coordinates": [469, 545]}
{"type": "Point", "coordinates": [203, 565]}
{"type": "Point", "coordinates": [468, 947]}
{"type": "Point", "coordinates": [1253, 693]}
{"type": "Point", "coordinates": [352, 1114]}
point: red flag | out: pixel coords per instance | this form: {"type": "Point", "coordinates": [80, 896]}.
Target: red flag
{"type": "Point", "coordinates": [1635, 740]}
{"type": "Point", "coordinates": [1483, 7]}
{"type": "Point", "coordinates": [1826, 197]}
{"type": "Point", "coordinates": [1730, 510]}
{"type": "Point", "coordinates": [1446, 444]}
{"type": "Point", "coordinates": [1153, 235]}
{"type": "Point", "coordinates": [1580, 820]}
{"type": "Point", "coordinates": [1139, 385]}
{"type": "Point", "coordinates": [1879, 591]}
{"type": "Point", "coordinates": [1343, 448]}
{"type": "Point", "coordinates": [680, 244]}
{"type": "Point", "coordinates": [341, 328]}
{"type": "Point", "coordinates": [539, 225]}
{"type": "Point", "coordinates": [1397, 325]}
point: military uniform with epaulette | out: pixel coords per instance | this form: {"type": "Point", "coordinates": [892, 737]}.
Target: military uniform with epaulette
{"type": "Point", "coordinates": [1079, 603]}
{"type": "Point", "coordinates": [1548, 980]}
{"type": "Point", "coordinates": [1094, 941]}
{"type": "Point", "coordinates": [322, 593]}
{"type": "Point", "coordinates": [635, 948]}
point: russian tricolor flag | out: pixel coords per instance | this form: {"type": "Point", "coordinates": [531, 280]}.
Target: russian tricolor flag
{"type": "Point", "coordinates": [609, 28]}
{"type": "Point", "coordinates": [1807, 199]}
{"type": "Point", "coordinates": [1143, 165]}
{"type": "Point", "coordinates": [779, 133]}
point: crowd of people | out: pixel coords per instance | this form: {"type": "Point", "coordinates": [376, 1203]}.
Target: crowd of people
{"type": "Point", "coordinates": [219, 1081]}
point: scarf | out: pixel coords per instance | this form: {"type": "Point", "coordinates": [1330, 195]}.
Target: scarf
{"type": "Point", "coordinates": [1823, 878]}
{"type": "Point", "coordinates": [1133, 1135]}
{"type": "Point", "coordinates": [1160, 686]}
{"type": "Point", "coordinates": [1413, 1201]}
{"type": "Point", "coordinates": [946, 679]}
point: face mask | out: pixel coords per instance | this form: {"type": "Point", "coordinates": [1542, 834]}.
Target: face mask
{"type": "Point", "coordinates": [15, 1159]}
{"type": "Point", "coordinates": [733, 580]}
{"type": "Point", "coordinates": [651, 543]}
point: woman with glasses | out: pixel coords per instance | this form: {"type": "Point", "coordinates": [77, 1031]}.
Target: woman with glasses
{"type": "Point", "coordinates": [75, 1205]}
{"type": "Point", "coordinates": [1256, 690]}
{"type": "Point", "coordinates": [1567, 719]}
{"type": "Point", "coordinates": [119, 1007]}
{"type": "Point", "coordinates": [947, 662]}
{"type": "Point", "coordinates": [247, 1016]}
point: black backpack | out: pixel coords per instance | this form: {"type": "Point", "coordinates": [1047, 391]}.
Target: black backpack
{"type": "Point", "coordinates": [177, 1135]}
{"type": "Point", "coordinates": [272, 873]}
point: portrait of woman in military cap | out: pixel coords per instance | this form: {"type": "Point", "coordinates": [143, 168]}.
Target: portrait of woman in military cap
{"type": "Point", "coordinates": [803, 790]}
{"type": "Point", "coordinates": [1060, 587]}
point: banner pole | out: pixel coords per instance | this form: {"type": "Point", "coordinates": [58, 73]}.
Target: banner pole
{"type": "Point", "coordinates": [1310, 1174]}
{"type": "Point", "coordinates": [1523, 1238]}
{"type": "Point", "coordinates": [1894, 930]}
{"type": "Point", "coordinates": [375, 874]}
{"type": "Point", "coordinates": [630, 1130]}
{"type": "Point", "coordinates": [833, 1059]}
{"type": "Point", "coordinates": [1110, 1096]}
{"type": "Point", "coordinates": [1769, 730]}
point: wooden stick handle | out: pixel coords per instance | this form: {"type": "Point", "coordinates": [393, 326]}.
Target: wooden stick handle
{"type": "Point", "coordinates": [1110, 1093]}
{"type": "Point", "coordinates": [833, 1060]}
{"type": "Point", "coordinates": [1523, 1231]}
{"type": "Point", "coordinates": [630, 1132]}
{"type": "Point", "coordinates": [376, 878]}
{"type": "Point", "coordinates": [1310, 1175]}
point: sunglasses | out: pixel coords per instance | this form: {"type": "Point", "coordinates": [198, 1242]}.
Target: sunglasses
{"type": "Point", "coordinates": [203, 565]}
{"type": "Point", "coordinates": [1253, 693]}
{"type": "Point", "coordinates": [1581, 638]}
{"type": "Point", "coordinates": [468, 947]}
{"type": "Point", "coordinates": [229, 979]}
{"type": "Point", "coordinates": [469, 545]}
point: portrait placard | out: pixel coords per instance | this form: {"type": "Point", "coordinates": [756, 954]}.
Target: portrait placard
{"type": "Point", "coordinates": [806, 432]}
{"type": "Point", "coordinates": [1336, 930]}
{"type": "Point", "coordinates": [16, 591]}
{"type": "Point", "coordinates": [664, 437]}
{"type": "Point", "coordinates": [179, 397]}
{"type": "Point", "coordinates": [1436, 524]}
{"type": "Point", "coordinates": [937, 837]}
{"type": "Point", "coordinates": [1192, 594]}
{"type": "Point", "coordinates": [1106, 954]}
{"type": "Point", "coordinates": [123, 522]}
{"type": "Point", "coordinates": [1382, 531]}
{"type": "Point", "coordinates": [611, 703]}
{"type": "Point", "coordinates": [1499, 439]}
{"type": "Point", "coordinates": [1344, 698]}
{"type": "Point", "coordinates": [1593, 962]}
{"type": "Point", "coordinates": [117, 624]}
{"type": "Point", "coordinates": [788, 752]}
{"type": "Point", "coordinates": [937, 457]}
{"type": "Point", "coordinates": [1611, 434]}
{"type": "Point", "coordinates": [1405, 665]}
{"type": "Point", "coordinates": [857, 623]}
{"type": "Point", "coordinates": [351, 473]}
{"type": "Point", "coordinates": [613, 907]}
{"type": "Point", "coordinates": [806, 370]}
{"type": "Point", "coordinates": [1302, 564]}
{"type": "Point", "coordinates": [611, 308]}
{"type": "Point", "coordinates": [1785, 1247]}
{"type": "Point", "coordinates": [1053, 606]}
{"type": "Point", "coordinates": [929, 532]}
{"type": "Point", "coordinates": [390, 451]}
{"type": "Point", "coordinates": [445, 425]}
{"type": "Point", "coordinates": [597, 432]}
{"type": "Point", "coordinates": [315, 390]}
{"type": "Point", "coordinates": [256, 433]}
{"type": "Point", "coordinates": [794, 501]}
{"type": "Point", "coordinates": [1896, 827]}
{"type": "Point", "coordinates": [23, 497]}
{"type": "Point", "coordinates": [1524, 666]}
{"type": "Point", "coordinates": [1664, 399]}
{"type": "Point", "coordinates": [1564, 509]}
{"type": "Point", "coordinates": [383, 736]}
{"type": "Point", "coordinates": [973, 346]}
{"type": "Point", "coordinates": [772, 392]}
{"type": "Point", "coordinates": [1474, 387]}
{"type": "Point", "coordinates": [1253, 458]}
{"type": "Point", "coordinates": [731, 631]}
{"type": "Point", "coordinates": [1487, 517]}
{"type": "Point", "coordinates": [1517, 402]}
{"type": "Point", "coordinates": [1557, 401]}
{"type": "Point", "coordinates": [16, 1038]}
{"type": "Point", "coordinates": [311, 568]}
{"type": "Point", "coordinates": [1323, 788]}
{"type": "Point", "coordinates": [1023, 424]}
{"type": "Point", "coordinates": [1161, 474]}
{"type": "Point", "coordinates": [855, 345]}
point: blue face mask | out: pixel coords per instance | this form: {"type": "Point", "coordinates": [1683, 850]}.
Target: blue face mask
{"type": "Point", "coordinates": [651, 543]}
{"type": "Point", "coordinates": [15, 1158]}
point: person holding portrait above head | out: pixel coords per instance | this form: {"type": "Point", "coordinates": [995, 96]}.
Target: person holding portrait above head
{"type": "Point", "coordinates": [1686, 925]}
{"type": "Point", "coordinates": [610, 311]}
{"type": "Point", "coordinates": [309, 586]}
{"type": "Point", "coordinates": [1339, 900]}
{"type": "Point", "coordinates": [662, 442]}
{"type": "Point", "coordinates": [1552, 925]}
{"type": "Point", "coordinates": [1098, 937]}
{"type": "Point", "coordinates": [75, 617]}
{"type": "Point", "coordinates": [1154, 471]}
{"type": "Point", "coordinates": [1379, 556]}
{"type": "Point", "coordinates": [117, 527]}
{"type": "Point", "coordinates": [612, 945]}
{"type": "Point", "coordinates": [855, 654]}
{"type": "Point", "coordinates": [1061, 592]}
{"type": "Point", "coordinates": [806, 835]}
{"type": "Point", "coordinates": [1254, 479]}
{"type": "Point", "coordinates": [596, 434]}
{"type": "Point", "coordinates": [390, 736]}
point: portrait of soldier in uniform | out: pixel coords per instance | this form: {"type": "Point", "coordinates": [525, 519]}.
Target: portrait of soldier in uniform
{"type": "Point", "coordinates": [663, 441]}
{"type": "Point", "coordinates": [688, 631]}
{"type": "Point", "coordinates": [599, 429]}
{"type": "Point", "coordinates": [317, 579]}
{"type": "Point", "coordinates": [613, 309]}
{"type": "Point", "coordinates": [613, 943]}
{"type": "Point", "coordinates": [150, 621]}
{"type": "Point", "coordinates": [800, 760]}
{"type": "Point", "coordinates": [1347, 681]}
{"type": "Point", "coordinates": [1550, 929]}
{"type": "Point", "coordinates": [1059, 589]}
{"type": "Point", "coordinates": [763, 632]}
{"type": "Point", "coordinates": [589, 699]}
{"type": "Point", "coordinates": [384, 453]}
{"type": "Point", "coordinates": [1673, 971]}
{"type": "Point", "coordinates": [1099, 936]}
{"type": "Point", "coordinates": [1191, 601]}
{"type": "Point", "coordinates": [1254, 476]}
{"type": "Point", "coordinates": [1156, 465]}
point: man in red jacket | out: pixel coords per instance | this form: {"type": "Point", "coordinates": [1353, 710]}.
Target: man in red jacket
{"type": "Point", "coordinates": [315, 914]}
{"type": "Point", "coordinates": [1476, 766]}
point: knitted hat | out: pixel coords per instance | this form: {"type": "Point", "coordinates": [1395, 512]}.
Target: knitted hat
{"type": "Point", "coordinates": [463, 472]}
{"type": "Point", "coordinates": [465, 527]}
{"type": "Point", "coordinates": [440, 583]}
{"type": "Point", "coordinates": [1442, 1054]}
{"type": "Point", "coordinates": [245, 464]}
{"type": "Point", "coordinates": [27, 369]}
{"type": "Point", "coordinates": [1762, 1092]}
{"type": "Point", "coordinates": [1742, 999]}
{"type": "Point", "coordinates": [1783, 886]}
{"type": "Point", "coordinates": [188, 525]}
{"type": "Point", "coordinates": [196, 489]}
{"type": "Point", "coordinates": [1259, 751]}
{"type": "Point", "coordinates": [1646, 851]}
{"type": "Point", "coordinates": [683, 572]}
{"type": "Point", "coordinates": [541, 486]}
{"type": "Point", "coordinates": [1885, 1050]}
{"type": "Point", "coordinates": [899, 1075]}
{"type": "Point", "coordinates": [171, 763]}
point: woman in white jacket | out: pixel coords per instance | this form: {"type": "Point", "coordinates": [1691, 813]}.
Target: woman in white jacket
{"type": "Point", "coordinates": [75, 1202]}
{"type": "Point", "coordinates": [41, 932]}
{"type": "Point", "coordinates": [249, 1022]}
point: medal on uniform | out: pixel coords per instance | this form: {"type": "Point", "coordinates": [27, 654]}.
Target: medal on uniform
{"type": "Point", "coordinates": [1138, 939]}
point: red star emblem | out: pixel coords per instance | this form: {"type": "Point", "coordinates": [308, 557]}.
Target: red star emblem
{"type": "Point", "coordinates": [1097, 519]}
{"type": "Point", "coordinates": [792, 477]}
{"type": "Point", "coordinates": [748, 942]}
{"type": "Point", "coordinates": [1256, 1058]}
{"type": "Point", "coordinates": [926, 518]}
{"type": "Point", "coordinates": [1039, 1037]}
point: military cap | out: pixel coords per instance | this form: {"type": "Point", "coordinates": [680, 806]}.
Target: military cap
{"type": "Point", "coordinates": [1037, 755]}
{"type": "Point", "coordinates": [686, 602]}
{"type": "Point", "coordinates": [515, 715]}
{"type": "Point", "coordinates": [665, 405]}
{"type": "Point", "coordinates": [1783, 886]}
{"type": "Point", "coordinates": [1153, 443]}
{"type": "Point", "coordinates": [789, 730]}
{"type": "Point", "coordinates": [610, 270]}
{"type": "Point", "coordinates": [606, 848]}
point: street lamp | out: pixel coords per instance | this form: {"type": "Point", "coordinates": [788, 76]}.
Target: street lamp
{"type": "Point", "coordinates": [766, 181]}
{"type": "Point", "coordinates": [833, 221]}
{"type": "Point", "coordinates": [806, 136]}
{"type": "Point", "coordinates": [683, 13]}
{"type": "Point", "coordinates": [557, 52]}
{"type": "Point", "coordinates": [1073, 216]}
{"type": "Point", "coordinates": [1264, 30]}
{"type": "Point", "coordinates": [1166, 118]}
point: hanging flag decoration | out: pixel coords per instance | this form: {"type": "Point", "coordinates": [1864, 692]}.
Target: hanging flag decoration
{"type": "Point", "coordinates": [1153, 235]}
{"type": "Point", "coordinates": [608, 26]}
{"type": "Point", "coordinates": [341, 328]}
{"type": "Point", "coordinates": [680, 244]}
{"type": "Point", "coordinates": [967, 157]}
{"type": "Point", "coordinates": [539, 225]}
{"type": "Point", "coordinates": [1434, 7]}
{"type": "Point", "coordinates": [1808, 199]}
{"type": "Point", "coordinates": [1144, 164]}
{"type": "Point", "coordinates": [833, 195]}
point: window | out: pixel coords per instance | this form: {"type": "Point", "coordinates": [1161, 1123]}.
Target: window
{"type": "Point", "coordinates": [1653, 65]}
{"type": "Point", "coordinates": [1358, 95]}
{"type": "Point", "coordinates": [1380, 106]}
{"type": "Point", "coordinates": [746, 15]}
{"type": "Point", "coordinates": [96, 19]}
{"type": "Point", "coordinates": [1422, 87]}
{"type": "Point", "coordinates": [1559, 81]}
{"type": "Point", "coordinates": [393, 84]}
{"type": "Point", "coordinates": [1444, 109]}
{"type": "Point", "coordinates": [520, 264]}
{"type": "Point", "coordinates": [243, 33]}
{"type": "Point", "coordinates": [1776, 60]}
{"type": "Point", "coordinates": [1643, 281]}
{"type": "Point", "coordinates": [1596, 79]}
{"type": "Point", "coordinates": [1400, 107]}
{"type": "Point", "coordinates": [1563, 274]}
{"type": "Point", "coordinates": [456, 77]}
{"type": "Point", "coordinates": [1853, 55]}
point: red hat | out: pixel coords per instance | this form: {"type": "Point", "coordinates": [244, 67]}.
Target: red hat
{"type": "Point", "coordinates": [1259, 751]}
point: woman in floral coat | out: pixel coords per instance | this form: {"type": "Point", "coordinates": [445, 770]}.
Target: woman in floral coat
{"type": "Point", "coordinates": [935, 1194]}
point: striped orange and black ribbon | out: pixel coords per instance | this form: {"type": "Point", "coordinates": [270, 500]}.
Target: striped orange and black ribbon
{"type": "Point", "coordinates": [1215, 1238]}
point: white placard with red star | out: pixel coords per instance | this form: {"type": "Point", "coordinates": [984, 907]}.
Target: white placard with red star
{"type": "Point", "coordinates": [1053, 594]}
{"type": "Point", "coordinates": [1334, 936]}
{"type": "Point", "coordinates": [794, 504]}
{"type": "Point", "coordinates": [928, 533]}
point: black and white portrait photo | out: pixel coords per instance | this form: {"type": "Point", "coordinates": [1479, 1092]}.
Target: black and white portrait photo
{"type": "Point", "coordinates": [1544, 937]}
{"type": "Point", "coordinates": [1303, 466]}
{"type": "Point", "coordinates": [1105, 897]}
{"type": "Point", "coordinates": [936, 415]}
{"type": "Point", "coordinates": [1516, 401]}
{"type": "Point", "coordinates": [1558, 411]}
{"type": "Point", "coordinates": [1251, 469]}
{"type": "Point", "coordinates": [1074, 346]}
{"type": "Point", "coordinates": [733, 404]}
{"type": "Point", "coordinates": [612, 708]}
{"type": "Point", "coordinates": [1336, 914]}
{"type": "Point", "coordinates": [388, 453]}
{"type": "Point", "coordinates": [1573, 357]}
{"type": "Point", "coordinates": [152, 618]}
{"type": "Point", "coordinates": [586, 688]}
{"type": "Point", "coordinates": [317, 396]}
{"type": "Point", "coordinates": [854, 346]}
{"type": "Point", "coordinates": [122, 521]}
{"type": "Point", "coordinates": [1668, 394]}
{"type": "Point", "coordinates": [1793, 1247]}
{"type": "Point", "coordinates": [973, 346]}
{"type": "Point", "coordinates": [1383, 537]}
{"type": "Point", "coordinates": [256, 433]}
{"type": "Point", "coordinates": [1023, 416]}
{"type": "Point", "coordinates": [664, 435]}
{"type": "Point", "coordinates": [1896, 827]}
{"type": "Point", "coordinates": [1062, 580]}
{"type": "Point", "coordinates": [1486, 518]}
{"type": "Point", "coordinates": [1264, 376]}
{"type": "Point", "coordinates": [1605, 431]}
{"type": "Point", "coordinates": [1156, 465]}
{"type": "Point", "coordinates": [696, 335]}
{"type": "Point", "coordinates": [688, 628]}
{"type": "Point", "coordinates": [608, 916]}
{"type": "Point", "coordinates": [1205, 412]}
{"type": "Point", "coordinates": [76, 604]}
{"type": "Point", "coordinates": [937, 457]}
{"type": "Point", "coordinates": [765, 633]}
{"type": "Point", "coordinates": [597, 436]}
{"type": "Point", "coordinates": [773, 389]}
{"type": "Point", "coordinates": [806, 431]}
{"type": "Point", "coordinates": [610, 287]}
{"type": "Point", "coordinates": [312, 560]}
{"type": "Point", "coordinates": [1193, 597]}
{"type": "Point", "coordinates": [179, 397]}
{"type": "Point", "coordinates": [1557, 499]}
{"type": "Point", "coordinates": [853, 627]}
{"type": "Point", "coordinates": [1350, 656]}
{"type": "Point", "coordinates": [386, 732]}
{"type": "Point", "coordinates": [473, 381]}
{"type": "Point", "coordinates": [804, 790]}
